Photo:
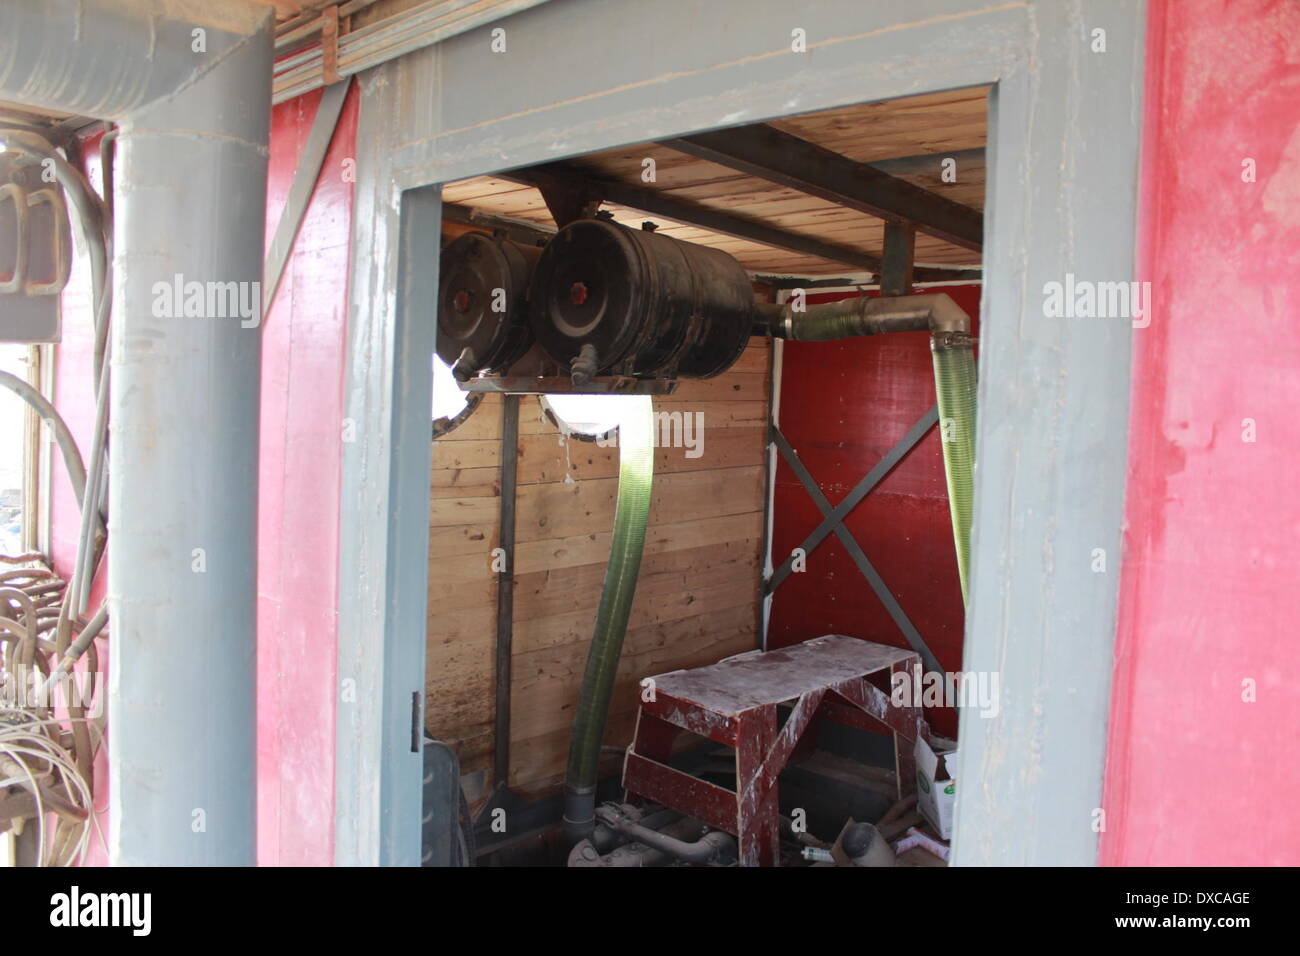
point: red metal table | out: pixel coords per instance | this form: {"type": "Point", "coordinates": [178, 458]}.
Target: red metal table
{"type": "Point", "coordinates": [735, 702]}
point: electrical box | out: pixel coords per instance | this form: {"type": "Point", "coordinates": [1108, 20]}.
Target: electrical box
{"type": "Point", "coordinates": [35, 251]}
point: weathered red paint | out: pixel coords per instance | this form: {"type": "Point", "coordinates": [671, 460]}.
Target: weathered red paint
{"type": "Point", "coordinates": [1196, 774]}
{"type": "Point", "coordinates": [843, 406]}
{"type": "Point", "coordinates": [303, 353]}
{"type": "Point", "coordinates": [736, 702]}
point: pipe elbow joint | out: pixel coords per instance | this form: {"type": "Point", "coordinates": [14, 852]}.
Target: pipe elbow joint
{"type": "Point", "coordinates": [946, 315]}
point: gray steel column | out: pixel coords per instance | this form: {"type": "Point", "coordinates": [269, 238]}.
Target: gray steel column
{"type": "Point", "coordinates": [193, 98]}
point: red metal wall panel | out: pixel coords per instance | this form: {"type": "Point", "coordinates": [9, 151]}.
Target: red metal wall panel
{"type": "Point", "coordinates": [1203, 745]}
{"type": "Point", "coordinates": [304, 349]}
{"type": "Point", "coordinates": [843, 407]}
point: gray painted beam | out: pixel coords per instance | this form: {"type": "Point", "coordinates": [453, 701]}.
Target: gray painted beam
{"type": "Point", "coordinates": [385, 496]}
{"type": "Point", "coordinates": [304, 184]}
{"type": "Point", "coordinates": [1052, 444]}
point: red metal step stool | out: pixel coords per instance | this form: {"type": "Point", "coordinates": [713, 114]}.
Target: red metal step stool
{"type": "Point", "coordinates": [735, 702]}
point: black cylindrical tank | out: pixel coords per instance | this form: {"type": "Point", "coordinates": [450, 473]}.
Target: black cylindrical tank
{"type": "Point", "coordinates": [483, 286]}
{"type": "Point", "coordinates": [651, 306]}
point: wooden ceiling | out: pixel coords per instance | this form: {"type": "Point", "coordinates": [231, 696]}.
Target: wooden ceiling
{"type": "Point", "coordinates": [908, 138]}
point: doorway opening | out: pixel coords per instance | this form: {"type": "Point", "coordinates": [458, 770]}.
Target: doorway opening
{"type": "Point", "coordinates": [800, 493]}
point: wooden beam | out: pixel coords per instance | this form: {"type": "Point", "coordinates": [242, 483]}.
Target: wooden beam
{"type": "Point", "coordinates": [771, 154]}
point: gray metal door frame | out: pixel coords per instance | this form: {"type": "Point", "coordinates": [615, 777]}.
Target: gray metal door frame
{"type": "Point", "coordinates": [584, 75]}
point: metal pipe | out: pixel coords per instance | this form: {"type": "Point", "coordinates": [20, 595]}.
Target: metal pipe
{"type": "Point", "coordinates": [605, 838]}
{"type": "Point", "coordinates": [184, 397]}
{"type": "Point", "coordinates": [713, 847]}
{"type": "Point", "coordinates": [862, 315]}
{"type": "Point", "coordinates": [654, 840]}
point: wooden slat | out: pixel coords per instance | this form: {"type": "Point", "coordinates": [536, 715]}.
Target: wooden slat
{"type": "Point", "coordinates": [562, 509]}
{"type": "Point", "coordinates": [544, 593]}
{"type": "Point", "coordinates": [697, 597]}
{"type": "Point", "coordinates": [547, 679]}
{"type": "Point", "coordinates": [580, 549]}
{"type": "Point", "coordinates": [653, 605]}
{"type": "Point", "coordinates": [719, 447]}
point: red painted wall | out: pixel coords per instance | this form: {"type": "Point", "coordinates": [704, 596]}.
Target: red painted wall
{"type": "Point", "coordinates": [844, 405]}
{"type": "Point", "coordinates": [304, 347]}
{"type": "Point", "coordinates": [1209, 597]}
{"type": "Point", "coordinates": [303, 353]}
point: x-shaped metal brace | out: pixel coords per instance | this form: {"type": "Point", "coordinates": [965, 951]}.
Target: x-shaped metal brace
{"type": "Point", "coordinates": [833, 521]}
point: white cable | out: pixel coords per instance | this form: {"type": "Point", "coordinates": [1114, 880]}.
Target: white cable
{"type": "Point", "coordinates": [31, 744]}
{"type": "Point", "coordinates": [23, 734]}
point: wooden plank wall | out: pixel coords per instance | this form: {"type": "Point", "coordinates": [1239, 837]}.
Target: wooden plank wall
{"type": "Point", "coordinates": [697, 598]}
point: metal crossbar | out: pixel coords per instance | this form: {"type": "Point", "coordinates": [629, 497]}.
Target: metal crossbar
{"type": "Point", "coordinates": [860, 491]}
{"type": "Point", "coordinates": [896, 612]}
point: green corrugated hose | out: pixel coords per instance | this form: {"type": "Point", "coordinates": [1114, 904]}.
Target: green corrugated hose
{"type": "Point", "coordinates": [635, 476]}
{"type": "Point", "coordinates": [955, 389]}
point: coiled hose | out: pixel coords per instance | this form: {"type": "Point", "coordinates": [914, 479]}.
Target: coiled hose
{"type": "Point", "coordinates": [955, 390]}
{"type": "Point", "coordinates": [635, 476]}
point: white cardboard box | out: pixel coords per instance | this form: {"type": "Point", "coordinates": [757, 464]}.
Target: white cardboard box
{"type": "Point", "coordinates": [936, 787]}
